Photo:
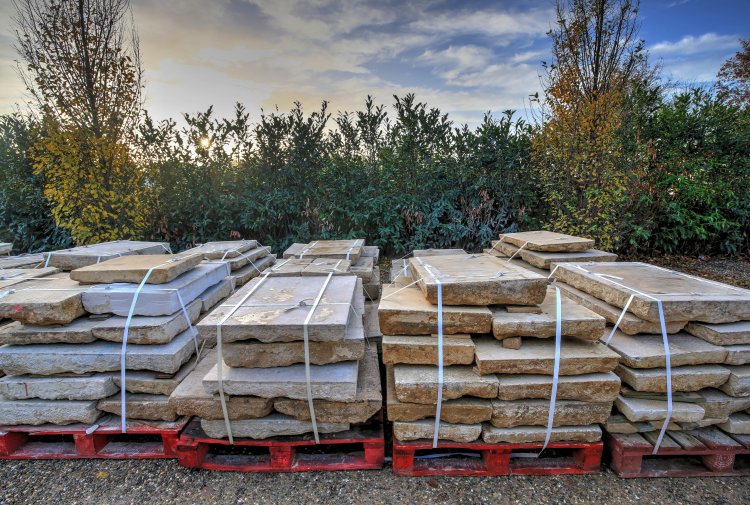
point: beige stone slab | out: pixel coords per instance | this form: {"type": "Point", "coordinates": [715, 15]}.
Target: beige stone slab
{"type": "Point", "coordinates": [221, 250]}
{"type": "Point", "coordinates": [684, 378]}
{"type": "Point", "coordinates": [163, 268]}
{"type": "Point", "coordinates": [12, 277]}
{"type": "Point", "coordinates": [639, 410]}
{"type": "Point", "coordinates": [364, 268]}
{"type": "Point", "coordinates": [523, 309]}
{"type": "Point", "coordinates": [325, 266]}
{"type": "Point", "coordinates": [55, 299]}
{"type": "Point", "coordinates": [533, 434]}
{"type": "Point", "coordinates": [400, 271]}
{"type": "Point", "coordinates": [404, 311]}
{"type": "Point", "coordinates": [619, 424]}
{"type": "Point", "coordinates": [423, 350]}
{"type": "Point", "coordinates": [738, 382]}
{"type": "Point", "coordinates": [577, 321]}
{"type": "Point", "coordinates": [37, 412]}
{"type": "Point", "coordinates": [256, 256]}
{"type": "Point", "coordinates": [419, 383]}
{"type": "Point", "coordinates": [335, 249]}
{"type": "Point", "coordinates": [77, 332]}
{"type": "Point", "coordinates": [721, 334]}
{"type": "Point", "coordinates": [477, 279]}
{"type": "Point", "coordinates": [425, 429]}
{"type": "Point", "coordinates": [147, 329]}
{"type": "Point", "coordinates": [155, 383]}
{"type": "Point", "coordinates": [289, 267]}
{"type": "Point", "coordinates": [424, 253]}
{"type": "Point", "coordinates": [594, 387]}
{"type": "Point", "coordinates": [512, 342]}
{"type": "Point", "coordinates": [719, 405]}
{"type": "Point", "coordinates": [737, 424]}
{"type": "Point", "coordinates": [190, 398]}
{"type": "Point", "coordinates": [647, 351]}
{"type": "Point", "coordinates": [247, 273]}
{"type": "Point", "coordinates": [140, 406]}
{"type": "Point", "coordinates": [274, 425]}
{"type": "Point", "coordinates": [684, 298]}
{"type": "Point", "coordinates": [372, 325]}
{"type": "Point", "coordinates": [543, 240]}
{"type": "Point", "coordinates": [545, 260]}
{"type": "Point", "coordinates": [81, 256]}
{"type": "Point", "coordinates": [535, 412]}
{"type": "Point", "coordinates": [87, 387]}
{"type": "Point", "coordinates": [630, 324]}
{"type": "Point", "coordinates": [24, 261]}
{"type": "Point", "coordinates": [537, 356]}
{"type": "Point", "coordinates": [737, 354]}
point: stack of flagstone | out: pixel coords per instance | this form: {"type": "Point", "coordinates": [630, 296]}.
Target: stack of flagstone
{"type": "Point", "coordinates": [25, 261]}
{"type": "Point", "coordinates": [246, 258]}
{"type": "Point", "coordinates": [498, 353]}
{"type": "Point", "coordinates": [261, 369]}
{"type": "Point", "coordinates": [708, 333]}
{"type": "Point", "coordinates": [81, 256]}
{"type": "Point", "coordinates": [62, 355]}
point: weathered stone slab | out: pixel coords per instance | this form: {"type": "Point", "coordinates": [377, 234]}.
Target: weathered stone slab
{"type": "Point", "coordinates": [737, 354]}
{"type": "Point", "coordinates": [77, 332]}
{"type": "Point", "coordinates": [738, 383]}
{"type": "Point", "coordinates": [147, 329]}
{"type": "Point", "coordinates": [216, 294]}
{"type": "Point", "coordinates": [81, 256]}
{"type": "Point", "coordinates": [54, 299]}
{"type": "Point", "coordinates": [719, 405]}
{"type": "Point", "coordinates": [477, 279]}
{"type": "Point", "coordinates": [638, 410]}
{"type": "Point", "coordinates": [25, 261]}
{"type": "Point", "coordinates": [140, 406]}
{"type": "Point", "coordinates": [737, 424]}
{"type": "Point", "coordinates": [512, 342]}
{"type": "Point", "coordinates": [253, 255]}
{"type": "Point", "coordinates": [163, 267]}
{"type": "Point", "coordinates": [335, 249]}
{"type": "Point", "coordinates": [10, 277]}
{"type": "Point", "coordinates": [545, 260]}
{"type": "Point", "coordinates": [325, 266]}
{"type": "Point", "coordinates": [535, 412]}
{"type": "Point", "coordinates": [400, 271]}
{"type": "Point", "coordinates": [425, 429]}
{"type": "Point", "coordinates": [418, 383]}
{"type": "Point", "coordinates": [647, 351]}
{"type": "Point", "coordinates": [684, 298]}
{"type": "Point", "coordinates": [630, 324]}
{"type": "Point", "coordinates": [24, 387]}
{"type": "Point", "coordinates": [155, 383]}
{"type": "Point", "coordinates": [619, 424]}
{"type": "Point", "coordinates": [154, 300]}
{"type": "Point", "coordinates": [424, 253]}
{"type": "Point", "coordinates": [190, 398]}
{"type": "Point", "coordinates": [721, 334]}
{"type": "Point", "coordinates": [245, 274]}
{"type": "Point", "coordinates": [531, 434]}
{"type": "Point", "coordinates": [274, 425]}
{"type": "Point", "coordinates": [335, 382]}
{"type": "Point", "coordinates": [373, 289]}
{"type": "Point", "coordinates": [684, 378]}
{"type": "Point", "coordinates": [543, 240]}
{"type": "Point", "coordinates": [95, 357]}
{"type": "Point", "coordinates": [537, 357]}
{"type": "Point", "coordinates": [36, 412]}
{"type": "Point", "coordinates": [290, 267]}
{"type": "Point", "coordinates": [417, 350]}
{"type": "Point", "coordinates": [372, 325]}
{"type": "Point", "coordinates": [367, 403]}
{"type": "Point", "coordinates": [371, 251]}
{"type": "Point", "coordinates": [594, 387]}
{"type": "Point", "coordinates": [577, 321]}
{"type": "Point", "coordinates": [406, 312]}
{"type": "Point", "coordinates": [364, 268]}
{"type": "Point", "coordinates": [222, 250]}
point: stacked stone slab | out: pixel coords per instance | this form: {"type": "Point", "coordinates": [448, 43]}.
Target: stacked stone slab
{"type": "Point", "coordinates": [498, 354]}
{"type": "Point", "coordinates": [263, 360]}
{"type": "Point", "coordinates": [62, 353]}
{"type": "Point", "coordinates": [81, 256]}
{"type": "Point", "coordinates": [23, 261]}
{"type": "Point", "coordinates": [247, 259]}
{"type": "Point", "coordinates": [709, 345]}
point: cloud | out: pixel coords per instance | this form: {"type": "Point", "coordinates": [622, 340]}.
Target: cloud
{"type": "Point", "coordinates": [689, 44]}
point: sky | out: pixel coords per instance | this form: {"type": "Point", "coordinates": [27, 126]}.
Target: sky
{"type": "Point", "coordinates": [465, 57]}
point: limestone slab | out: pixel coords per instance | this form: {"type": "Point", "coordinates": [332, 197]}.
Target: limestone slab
{"type": "Point", "coordinates": [406, 312]}
{"type": "Point", "coordinates": [532, 434]}
{"type": "Point", "coordinates": [26, 261]}
{"type": "Point", "coordinates": [536, 356]}
{"type": "Point", "coordinates": [335, 249]}
{"type": "Point", "coordinates": [619, 424]}
{"type": "Point", "coordinates": [10, 277]}
{"type": "Point", "coordinates": [325, 266]}
{"type": "Point", "coordinates": [512, 342]}
{"type": "Point", "coordinates": [289, 267]}
{"type": "Point", "coordinates": [638, 410]}
{"type": "Point", "coordinates": [155, 383]}
{"type": "Point", "coordinates": [54, 299]}
{"type": "Point", "coordinates": [79, 331]}
{"type": "Point", "coordinates": [224, 249]}
{"type": "Point", "coordinates": [274, 425]}
{"type": "Point", "coordinates": [593, 387]}
{"type": "Point", "coordinates": [684, 298]}
{"type": "Point", "coordinates": [577, 321]}
{"type": "Point", "coordinates": [737, 354]}
{"type": "Point", "coordinates": [424, 253]}
{"type": "Point", "coordinates": [140, 406]}
{"type": "Point", "coordinates": [647, 351]}
{"type": "Point", "coordinates": [419, 383]}
{"type": "Point", "coordinates": [163, 268]}
{"type": "Point", "coordinates": [477, 279]}
{"type": "Point", "coordinates": [24, 387]}
{"type": "Point", "coordinates": [400, 271]}
{"type": "Point", "coordinates": [364, 268]}
{"type": "Point", "coordinates": [372, 325]}
{"type": "Point", "coordinates": [252, 258]}
{"type": "Point", "coordinates": [154, 300]}
{"type": "Point", "coordinates": [543, 240]}
{"type": "Point", "coordinates": [425, 429]}
{"type": "Point", "coordinates": [36, 412]}
{"type": "Point", "coordinates": [423, 350]}
{"type": "Point", "coordinates": [738, 382]}
{"type": "Point", "coordinates": [684, 378]}
{"type": "Point", "coordinates": [719, 405]}
{"type": "Point", "coordinates": [245, 274]}
{"type": "Point", "coordinates": [147, 329]}
{"type": "Point", "coordinates": [721, 334]}
{"type": "Point", "coordinates": [545, 260]}
{"type": "Point", "coordinates": [535, 412]}
{"type": "Point", "coordinates": [216, 294]}
{"type": "Point", "coordinates": [81, 256]}
{"type": "Point", "coordinates": [737, 424]}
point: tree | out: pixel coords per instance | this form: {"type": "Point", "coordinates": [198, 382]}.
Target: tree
{"type": "Point", "coordinates": [81, 67]}
{"type": "Point", "coordinates": [733, 78]}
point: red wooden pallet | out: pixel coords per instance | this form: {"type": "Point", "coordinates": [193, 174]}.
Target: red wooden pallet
{"type": "Point", "coordinates": [704, 452]}
{"type": "Point", "coordinates": [478, 458]}
{"type": "Point", "coordinates": [143, 440]}
{"type": "Point", "coordinates": [361, 448]}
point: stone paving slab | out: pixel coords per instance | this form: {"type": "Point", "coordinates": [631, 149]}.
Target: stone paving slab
{"type": "Point", "coordinates": [647, 351]}
{"type": "Point", "coordinates": [155, 383]}
{"type": "Point", "coordinates": [684, 378]}
{"type": "Point", "coordinates": [532, 434]}
{"type": "Point", "coordinates": [90, 387]}
{"type": "Point", "coordinates": [55, 299]}
{"type": "Point", "coordinates": [140, 406]}
{"type": "Point", "coordinates": [425, 429]}
{"type": "Point", "coordinates": [147, 329]}
{"type": "Point", "coordinates": [423, 350]}
{"type": "Point", "coordinates": [274, 425]}
{"type": "Point", "coordinates": [719, 405]}
{"type": "Point", "coordinates": [721, 334]}
{"type": "Point", "coordinates": [247, 273]}
{"type": "Point", "coordinates": [335, 249]}
{"type": "Point", "coordinates": [737, 354]}
{"type": "Point", "coordinates": [424, 253]}
{"type": "Point", "coordinates": [36, 412]}
{"type": "Point", "coordinates": [737, 424]}
{"type": "Point", "coordinates": [24, 261]}
{"type": "Point", "coordinates": [535, 412]}
{"type": "Point", "coordinates": [216, 294]}
{"type": "Point", "coordinates": [546, 260]}
{"type": "Point", "coordinates": [418, 383]}
{"type": "Point", "coordinates": [549, 241]}
{"type": "Point", "coordinates": [222, 250]}
{"type": "Point", "coordinates": [639, 410]}
{"type": "Point", "coordinates": [594, 387]}
{"type": "Point", "coordinates": [81, 256]}
{"type": "Point", "coordinates": [738, 382]}
{"type": "Point", "coordinates": [163, 267]}
{"type": "Point", "coordinates": [79, 331]}
{"type": "Point", "coordinates": [11, 277]}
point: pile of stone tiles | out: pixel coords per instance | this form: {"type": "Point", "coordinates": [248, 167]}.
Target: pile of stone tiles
{"type": "Point", "coordinates": [62, 354]}
{"type": "Point", "coordinates": [708, 327]}
{"type": "Point", "coordinates": [498, 354]}
{"type": "Point", "coordinates": [247, 259]}
{"type": "Point", "coordinates": [22, 261]}
{"type": "Point", "coordinates": [259, 366]}
{"type": "Point", "coordinates": [85, 255]}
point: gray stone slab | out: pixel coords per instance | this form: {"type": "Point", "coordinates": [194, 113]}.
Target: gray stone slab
{"type": "Point", "coordinates": [532, 434]}
{"type": "Point", "coordinates": [289, 267]}
{"type": "Point", "coordinates": [147, 329]}
{"type": "Point", "coordinates": [10, 277]}
{"type": "Point", "coordinates": [721, 334]}
{"type": "Point", "coordinates": [738, 382]}
{"type": "Point", "coordinates": [81, 256]}
{"type": "Point", "coordinates": [684, 378]}
{"type": "Point", "coordinates": [535, 412]}
{"type": "Point", "coordinates": [23, 387]}
{"type": "Point", "coordinates": [140, 406]}
{"type": "Point", "coordinates": [647, 351]}
{"type": "Point", "coordinates": [220, 250]}
{"type": "Point", "coordinates": [400, 271]}
{"type": "Point", "coordinates": [36, 412]}
{"type": "Point", "coordinates": [423, 350]}
{"type": "Point", "coordinates": [419, 383]}
{"type": "Point", "coordinates": [639, 410]}
{"type": "Point", "coordinates": [543, 240]}
{"type": "Point", "coordinates": [737, 354]}
{"type": "Point", "coordinates": [335, 249]}
{"type": "Point", "coordinates": [245, 274]}
{"type": "Point", "coordinates": [425, 429]}
{"type": "Point", "coordinates": [719, 405]}
{"type": "Point", "coordinates": [54, 299]}
{"type": "Point", "coordinates": [216, 294]}
{"type": "Point", "coordinates": [371, 251]}
{"type": "Point", "coordinates": [26, 261]}
{"type": "Point", "coordinates": [163, 268]}
{"type": "Point", "coordinates": [154, 300]}
{"type": "Point", "coordinates": [364, 268]}
{"type": "Point", "coordinates": [274, 425]}
{"type": "Point", "coordinates": [737, 424]}
{"type": "Point", "coordinates": [594, 387]}
{"type": "Point", "coordinates": [372, 325]}
{"type": "Point", "coordinates": [77, 332]}
{"type": "Point", "coordinates": [546, 260]}
{"type": "Point", "coordinates": [5, 247]}
{"type": "Point", "coordinates": [155, 383]}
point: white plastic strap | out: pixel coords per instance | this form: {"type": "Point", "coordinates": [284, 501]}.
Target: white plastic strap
{"type": "Point", "coordinates": [668, 362]}
{"type": "Point", "coordinates": [619, 319]}
{"type": "Point", "coordinates": [439, 406]}
{"type": "Point", "coordinates": [556, 369]}
{"type": "Point", "coordinates": [308, 249]}
{"type": "Point", "coordinates": [517, 251]}
{"type": "Point", "coordinates": [193, 331]}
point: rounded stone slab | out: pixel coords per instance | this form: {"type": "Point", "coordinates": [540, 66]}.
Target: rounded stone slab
{"type": "Point", "coordinates": [79, 331]}
{"type": "Point", "coordinates": [81, 256]}
{"type": "Point", "coordinates": [423, 350]}
{"type": "Point", "coordinates": [140, 406]}
{"type": "Point", "coordinates": [535, 412]}
{"type": "Point", "coordinates": [36, 412]}
{"type": "Point", "coordinates": [594, 387]}
{"type": "Point", "coordinates": [721, 334]}
{"type": "Point", "coordinates": [23, 387]}
{"type": "Point", "coordinates": [738, 383]}
{"type": "Point", "coordinates": [274, 425]}
{"type": "Point", "coordinates": [542, 240]}
{"type": "Point", "coordinates": [147, 329]}
{"type": "Point", "coordinates": [639, 410]}
{"type": "Point", "coordinates": [532, 434]}
{"type": "Point", "coordinates": [537, 357]}
{"type": "Point", "coordinates": [647, 351]}
{"type": "Point", "coordinates": [163, 268]}
{"type": "Point", "coordinates": [684, 378]}
{"type": "Point", "coordinates": [50, 300]}
{"type": "Point", "coordinates": [418, 383]}
{"type": "Point", "coordinates": [425, 430]}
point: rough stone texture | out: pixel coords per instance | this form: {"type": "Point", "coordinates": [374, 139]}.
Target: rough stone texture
{"type": "Point", "coordinates": [95, 357]}
{"type": "Point", "coordinates": [36, 412]}
{"type": "Point", "coordinates": [368, 402]}
{"type": "Point", "coordinates": [595, 387]}
{"type": "Point", "coordinates": [154, 300]}
{"type": "Point", "coordinates": [542, 240]}
{"type": "Point", "coordinates": [140, 406]}
{"type": "Point", "coordinates": [245, 274]}
{"type": "Point", "coordinates": [423, 253]}
{"type": "Point", "coordinates": [364, 268]}
{"type": "Point", "coordinates": [222, 250]}
{"type": "Point", "coordinates": [425, 429]}
{"type": "Point", "coordinates": [545, 260]}
{"type": "Point", "coordinates": [335, 382]}
{"type": "Point", "coordinates": [737, 424]}
{"type": "Point", "coordinates": [512, 342]}
{"type": "Point", "coordinates": [77, 332]}
{"type": "Point", "coordinates": [216, 294]}
{"type": "Point", "coordinates": [276, 310]}
{"type": "Point", "coordinates": [477, 279]}
{"type": "Point", "coordinates": [10, 277]}
{"type": "Point", "coordinates": [190, 398]}
{"type": "Point", "coordinates": [721, 334]}
{"type": "Point", "coordinates": [163, 267]}
{"type": "Point", "coordinates": [155, 383]}
{"type": "Point", "coordinates": [255, 256]}
{"type": "Point", "coordinates": [535, 412]}
{"type": "Point", "coordinates": [523, 309]}
{"type": "Point", "coordinates": [737, 354]}
{"type": "Point", "coordinates": [373, 289]}
{"type": "Point", "coordinates": [23, 387]}
{"type": "Point", "coordinates": [406, 312]}
{"type": "Point", "coordinates": [416, 350]}
{"type": "Point", "coordinates": [335, 249]}
{"type": "Point", "coordinates": [738, 383]}
{"type": "Point", "coordinates": [577, 321]}
{"type": "Point", "coordinates": [290, 267]}
{"type": "Point", "coordinates": [684, 378]}
{"type": "Point", "coordinates": [372, 325]}
{"type": "Point", "coordinates": [465, 410]}
{"type": "Point", "coordinates": [619, 424]}
{"type": "Point", "coordinates": [371, 251]}
{"type": "Point", "coordinates": [400, 271]}
{"type": "Point", "coordinates": [25, 261]}
{"type": "Point", "coordinates": [638, 410]}
{"type": "Point", "coordinates": [54, 299]}
{"type": "Point", "coordinates": [325, 266]}
{"type": "Point", "coordinates": [630, 324]}
{"type": "Point", "coordinates": [418, 383]}
{"type": "Point", "coordinates": [81, 256]}
{"type": "Point", "coordinates": [274, 425]}
{"type": "Point", "coordinates": [148, 329]}
{"type": "Point", "coordinates": [719, 405]}
{"type": "Point", "coordinates": [647, 351]}
{"type": "Point", "coordinates": [531, 434]}
{"type": "Point", "coordinates": [537, 357]}
{"type": "Point", "coordinates": [693, 299]}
